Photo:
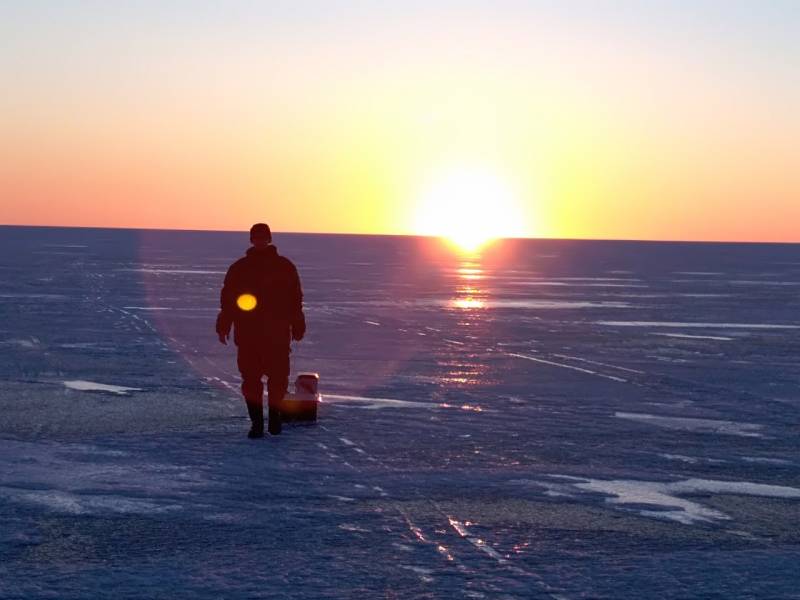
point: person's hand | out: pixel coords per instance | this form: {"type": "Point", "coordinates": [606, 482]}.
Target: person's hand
{"type": "Point", "coordinates": [299, 328]}
{"type": "Point", "coordinates": [223, 328]}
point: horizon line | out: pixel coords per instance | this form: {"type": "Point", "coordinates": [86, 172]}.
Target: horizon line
{"type": "Point", "coordinates": [406, 235]}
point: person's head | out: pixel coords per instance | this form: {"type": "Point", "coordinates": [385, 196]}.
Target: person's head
{"type": "Point", "coordinates": [260, 235]}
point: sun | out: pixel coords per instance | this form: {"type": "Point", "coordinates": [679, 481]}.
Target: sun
{"type": "Point", "coordinates": [469, 207]}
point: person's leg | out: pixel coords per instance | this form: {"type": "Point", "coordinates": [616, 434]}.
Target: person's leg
{"type": "Point", "coordinates": [277, 385]}
{"type": "Point", "coordinates": [277, 380]}
{"type": "Point", "coordinates": [249, 363]}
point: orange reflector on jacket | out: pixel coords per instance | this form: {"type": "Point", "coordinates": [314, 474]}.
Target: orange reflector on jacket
{"type": "Point", "coordinates": [246, 302]}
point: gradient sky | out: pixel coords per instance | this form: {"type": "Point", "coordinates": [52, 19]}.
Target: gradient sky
{"type": "Point", "coordinates": [643, 120]}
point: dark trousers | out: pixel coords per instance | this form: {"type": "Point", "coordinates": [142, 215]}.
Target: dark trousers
{"type": "Point", "coordinates": [257, 361]}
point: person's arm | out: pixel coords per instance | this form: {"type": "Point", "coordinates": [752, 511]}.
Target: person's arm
{"type": "Point", "coordinates": [227, 304]}
{"type": "Point", "coordinates": [298, 318]}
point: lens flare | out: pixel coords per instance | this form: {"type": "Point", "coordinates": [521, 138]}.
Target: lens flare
{"type": "Point", "coordinates": [246, 302]}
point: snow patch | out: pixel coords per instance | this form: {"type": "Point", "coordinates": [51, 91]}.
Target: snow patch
{"type": "Point", "coordinates": [29, 343]}
{"type": "Point", "coordinates": [66, 502]}
{"type": "Point", "coordinates": [702, 295]}
{"type": "Point", "coordinates": [680, 324]}
{"type": "Point", "coordinates": [80, 345]}
{"type": "Point", "coordinates": [680, 457]}
{"type": "Point", "coordinates": [353, 528]}
{"type": "Point", "coordinates": [766, 460]}
{"type": "Point", "coordinates": [695, 337]}
{"type": "Point", "coordinates": [403, 547]}
{"type": "Point", "coordinates": [663, 500]}
{"type": "Point", "coordinates": [660, 496]}
{"type": "Point", "coordinates": [421, 571]}
{"type": "Point", "coordinates": [176, 271]}
{"type": "Point", "coordinates": [91, 386]}
{"type": "Point", "coordinates": [694, 424]}
{"type": "Point", "coordinates": [375, 403]}
{"type": "Point", "coordinates": [751, 282]}
{"type": "Point", "coordinates": [35, 296]}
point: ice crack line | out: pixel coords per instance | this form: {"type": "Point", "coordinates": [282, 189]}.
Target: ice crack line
{"type": "Point", "coordinates": [420, 535]}
{"type": "Point", "coordinates": [415, 530]}
{"type": "Point", "coordinates": [600, 364]}
{"type": "Point", "coordinates": [564, 366]}
{"type": "Point", "coordinates": [462, 530]}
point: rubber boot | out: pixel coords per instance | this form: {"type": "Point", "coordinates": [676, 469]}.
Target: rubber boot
{"type": "Point", "coordinates": [257, 420]}
{"type": "Point", "coordinates": [274, 426]}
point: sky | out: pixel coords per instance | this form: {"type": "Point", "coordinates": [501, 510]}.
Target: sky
{"type": "Point", "coordinates": [623, 120]}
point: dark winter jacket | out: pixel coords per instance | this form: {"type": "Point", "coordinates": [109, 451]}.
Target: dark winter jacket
{"type": "Point", "coordinates": [278, 314]}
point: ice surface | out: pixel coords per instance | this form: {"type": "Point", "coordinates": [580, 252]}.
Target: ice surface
{"type": "Point", "coordinates": [452, 392]}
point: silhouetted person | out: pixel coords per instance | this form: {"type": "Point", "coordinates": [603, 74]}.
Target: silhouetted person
{"type": "Point", "coordinates": [263, 300]}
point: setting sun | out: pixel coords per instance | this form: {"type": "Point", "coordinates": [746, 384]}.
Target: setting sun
{"type": "Point", "coordinates": [469, 208]}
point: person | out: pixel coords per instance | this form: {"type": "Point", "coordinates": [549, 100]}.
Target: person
{"type": "Point", "coordinates": [263, 300]}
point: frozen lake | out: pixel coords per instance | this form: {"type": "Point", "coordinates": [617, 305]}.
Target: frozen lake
{"type": "Point", "coordinates": [550, 420]}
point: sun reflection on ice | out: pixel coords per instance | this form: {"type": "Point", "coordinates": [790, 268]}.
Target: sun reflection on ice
{"type": "Point", "coordinates": [470, 407]}
{"type": "Point", "coordinates": [468, 302]}
{"type": "Point", "coordinates": [468, 295]}
{"type": "Point", "coordinates": [470, 272]}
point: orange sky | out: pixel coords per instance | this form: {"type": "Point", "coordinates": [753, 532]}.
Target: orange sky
{"type": "Point", "coordinates": [615, 121]}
